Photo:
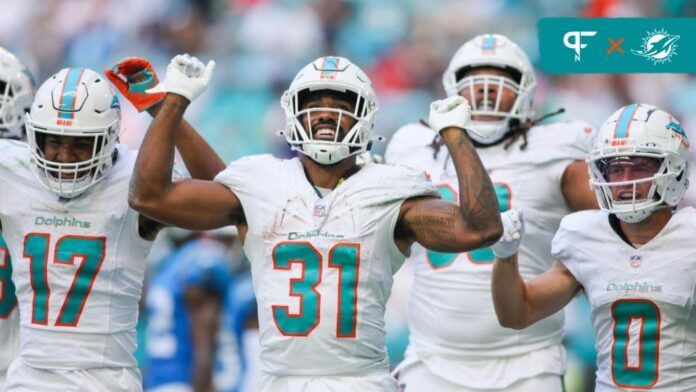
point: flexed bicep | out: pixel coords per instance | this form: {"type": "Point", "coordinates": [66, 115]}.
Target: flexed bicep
{"type": "Point", "coordinates": [193, 205]}
{"type": "Point", "coordinates": [438, 225]}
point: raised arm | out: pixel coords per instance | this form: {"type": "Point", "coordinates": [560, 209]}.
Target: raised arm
{"type": "Point", "coordinates": [519, 304]}
{"type": "Point", "coordinates": [201, 161]}
{"type": "Point", "coordinates": [190, 204]}
{"type": "Point", "coordinates": [441, 225]}
{"type": "Point", "coordinates": [133, 77]}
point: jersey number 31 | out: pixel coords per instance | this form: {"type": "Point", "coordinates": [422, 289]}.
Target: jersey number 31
{"type": "Point", "coordinates": [345, 257]}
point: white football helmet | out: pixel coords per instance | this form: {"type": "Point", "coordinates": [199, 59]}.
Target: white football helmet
{"type": "Point", "coordinates": [16, 93]}
{"type": "Point", "coordinates": [75, 102]}
{"type": "Point", "coordinates": [340, 75]}
{"type": "Point", "coordinates": [640, 130]}
{"type": "Point", "coordinates": [492, 50]}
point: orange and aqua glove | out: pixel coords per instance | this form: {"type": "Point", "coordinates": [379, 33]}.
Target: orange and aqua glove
{"type": "Point", "coordinates": [132, 77]}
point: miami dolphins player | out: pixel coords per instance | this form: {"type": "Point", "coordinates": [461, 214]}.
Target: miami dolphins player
{"type": "Point", "coordinates": [323, 235]}
{"type": "Point", "coordinates": [635, 260]}
{"type": "Point", "coordinates": [185, 302]}
{"type": "Point", "coordinates": [17, 89]}
{"type": "Point", "coordinates": [78, 249]}
{"type": "Point", "coordinates": [455, 342]}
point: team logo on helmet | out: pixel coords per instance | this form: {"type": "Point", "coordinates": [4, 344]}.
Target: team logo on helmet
{"type": "Point", "coordinates": [677, 128]}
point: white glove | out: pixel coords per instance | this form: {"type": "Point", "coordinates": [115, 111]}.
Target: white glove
{"type": "Point", "coordinates": [513, 233]}
{"type": "Point", "coordinates": [450, 112]}
{"type": "Point", "coordinates": [186, 76]}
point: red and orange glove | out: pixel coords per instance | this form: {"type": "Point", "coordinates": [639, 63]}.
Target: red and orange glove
{"type": "Point", "coordinates": [133, 77]}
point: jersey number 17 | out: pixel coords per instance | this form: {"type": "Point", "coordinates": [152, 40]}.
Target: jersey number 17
{"type": "Point", "coordinates": [90, 251]}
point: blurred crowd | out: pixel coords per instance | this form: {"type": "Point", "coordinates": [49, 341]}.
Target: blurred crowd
{"type": "Point", "coordinates": [404, 45]}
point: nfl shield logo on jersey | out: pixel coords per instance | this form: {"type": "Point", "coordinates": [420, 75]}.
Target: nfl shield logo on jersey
{"type": "Point", "coordinates": [635, 261]}
{"type": "Point", "coordinates": [319, 210]}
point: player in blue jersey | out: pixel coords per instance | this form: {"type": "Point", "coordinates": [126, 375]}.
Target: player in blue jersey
{"type": "Point", "coordinates": [186, 302]}
{"type": "Point", "coordinates": [241, 317]}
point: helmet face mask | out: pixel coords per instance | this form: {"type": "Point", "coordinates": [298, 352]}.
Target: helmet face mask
{"type": "Point", "coordinates": [16, 94]}
{"type": "Point", "coordinates": [629, 183]}
{"type": "Point", "coordinates": [330, 109]}
{"type": "Point", "coordinates": [639, 163]}
{"type": "Point", "coordinates": [70, 179]}
{"type": "Point", "coordinates": [86, 110]}
{"type": "Point", "coordinates": [510, 74]}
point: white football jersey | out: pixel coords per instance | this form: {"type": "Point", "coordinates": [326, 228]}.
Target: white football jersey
{"type": "Point", "coordinates": [9, 315]}
{"type": "Point", "coordinates": [78, 265]}
{"type": "Point", "coordinates": [451, 309]}
{"type": "Point", "coordinates": [322, 267]}
{"type": "Point", "coordinates": [642, 299]}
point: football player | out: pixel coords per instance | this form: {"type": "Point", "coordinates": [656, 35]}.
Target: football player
{"type": "Point", "coordinates": [455, 341]}
{"type": "Point", "coordinates": [185, 302]}
{"type": "Point", "coordinates": [17, 88]}
{"type": "Point", "coordinates": [635, 260]}
{"type": "Point", "coordinates": [65, 215]}
{"type": "Point", "coordinates": [323, 235]}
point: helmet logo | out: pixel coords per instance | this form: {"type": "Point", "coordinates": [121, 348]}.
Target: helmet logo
{"type": "Point", "coordinates": [677, 128]}
{"type": "Point", "coordinates": [489, 44]}
{"type": "Point", "coordinates": [329, 68]}
{"type": "Point", "coordinates": [114, 103]}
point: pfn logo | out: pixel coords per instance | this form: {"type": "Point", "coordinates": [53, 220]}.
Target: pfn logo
{"type": "Point", "coordinates": [572, 40]}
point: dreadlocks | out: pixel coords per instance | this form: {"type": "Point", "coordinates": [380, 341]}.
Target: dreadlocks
{"type": "Point", "coordinates": [519, 130]}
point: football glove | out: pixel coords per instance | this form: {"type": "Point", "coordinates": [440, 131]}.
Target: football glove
{"type": "Point", "coordinates": [513, 233]}
{"type": "Point", "coordinates": [449, 112]}
{"type": "Point", "coordinates": [186, 76]}
{"type": "Point", "coordinates": [133, 77]}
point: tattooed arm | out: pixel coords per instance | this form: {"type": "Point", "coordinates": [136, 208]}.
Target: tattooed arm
{"type": "Point", "coordinates": [443, 226]}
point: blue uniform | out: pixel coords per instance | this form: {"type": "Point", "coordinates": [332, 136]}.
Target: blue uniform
{"type": "Point", "coordinates": [240, 306]}
{"type": "Point", "coordinates": [169, 348]}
